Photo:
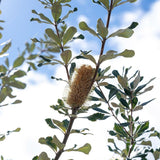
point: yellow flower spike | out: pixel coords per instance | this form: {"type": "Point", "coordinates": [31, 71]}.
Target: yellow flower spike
{"type": "Point", "coordinates": [81, 86]}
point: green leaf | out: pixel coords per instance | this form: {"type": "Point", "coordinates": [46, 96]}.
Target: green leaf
{"type": "Point", "coordinates": [90, 57]}
{"type": "Point", "coordinates": [97, 116]}
{"type": "Point", "coordinates": [60, 125]}
{"type": "Point", "coordinates": [52, 35]}
{"type": "Point", "coordinates": [66, 56]}
{"type": "Point", "coordinates": [127, 53]}
{"type": "Point", "coordinates": [72, 68]}
{"type": "Point", "coordinates": [122, 81]}
{"type": "Point", "coordinates": [50, 123]}
{"type": "Point", "coordinates": [6, 47]}
{"type": "Point", "coordinates": [18, 74]}
{"type": "Point", "coordinates": [101, 29]}
{"type": "Point", "coordinates": [3, 69]}
{"type": "Point", "coordinates": [17, 102]}
{"type": "Point", "coordinates": [100, 110]}
{"type": "Point", "coordinates": [43, 156]}
{"type": "Point", "coordinates": [17, 84]}
{"type": "Point", "coordinates": [133, 25]}
{"type": "Point", "coordinates": [83, 26]}
{"type": "Point", "coordinates": [17, 130]}
{"type": "Point", "coordinates": [48, 142]}
{"type": "Point", "coordinates": [19, 61]}
{"type": "Point", "coordinates": [142, 86]}
{"type": "Point", "coordinates": [146, 143]}
{"type": "Point", "coordinates": [142, 128]}
{"type": "Point", "coordinates": [57, 142]}
{"type": "Point", "coordinates": [68, 35]}
{"type": "Point", "coordinates": [145, 103]}
{"type": "Point", "coordinates": [3, 94]}
{"type": "Point", "coordinates": [100, 93]}
{"type": "Point", "coordinates": [85, 149]}
{"type": "Point", "coordinates": [119, 129]}
{"type": "Point", "coordinates": [2, 138]}
{"type": "Point", "coordinates": [132, 1]}
{"type": "Point", "coordinates": [125, 33]}
{"type": "Point", "coordinates": [112, 93]}
{"type": "Point", "coordinates": [56, 11]}
{"type": "Point", "coordinates": [7, 62]}
{"type": "Point", "coordinates": [105, 3]}
{"type": "Point", "coordinates": [124, 102]}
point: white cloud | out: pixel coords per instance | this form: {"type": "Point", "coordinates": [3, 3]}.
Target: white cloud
{"type": "Point", "coordinates": [83, 18]}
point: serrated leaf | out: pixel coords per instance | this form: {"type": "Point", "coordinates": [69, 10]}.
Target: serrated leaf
{"type": "Point", "coordinates": [68, 35]}
{"type": "Point", "coordinates": [18, 62]}
{"type": "Point", "coordinates": [66, 56]}
{"type": "Point", "coordinates": [56, 11]}
{"type": "Point", "coordinates": [101, 29]}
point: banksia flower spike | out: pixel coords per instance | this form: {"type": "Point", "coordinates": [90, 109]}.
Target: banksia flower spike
{"type": "Point", "coordinates": [80, 86]}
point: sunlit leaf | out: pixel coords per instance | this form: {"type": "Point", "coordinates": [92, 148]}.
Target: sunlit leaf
{"type": "Point", "coordinates": [68, 35]}
{"type": "Point", "coordinates": [66, 56]}
{"type": "Point", "coordinates": [83, 26]}
{"type": "Point", "coordinates": [18, 62]}
{"type": "Point", "coordinates": [84, 149]}
{"type": "Point", "coordinates": [17, 84]}
{"type": "Point", "coordinates": [56, 11]}
{"type": "Point", "coordinates": [127, 53]}
{"type": "Point", "coordinates": [2, 138]}
{"type": "Point", "coordinates": [125, 33]}
{"type": "Point", "coordinates": [52, 35]}
{"type": "Point", "coordinates": [146, 143]}
{"type": "Point", "coordinates": [101, 29]}
{"type": "Point", "coordinates": [90, 57]}
{"type": "Point", "coordinates": [43, 156]}
{"type": "Point", "coordinates": [57, 142]}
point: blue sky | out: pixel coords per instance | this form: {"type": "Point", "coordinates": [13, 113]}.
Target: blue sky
{"type": "Point", "coordinates": [17, 15]}
{"type": "Point", "coordinates": [39, 96]}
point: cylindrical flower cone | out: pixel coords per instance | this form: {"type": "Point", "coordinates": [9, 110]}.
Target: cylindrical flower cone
{"type": "Point", "coordinates": [80, 86]}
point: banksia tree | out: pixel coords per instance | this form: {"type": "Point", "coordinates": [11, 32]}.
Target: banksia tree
{"type": "Point", "coordinates": [57, 40]}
